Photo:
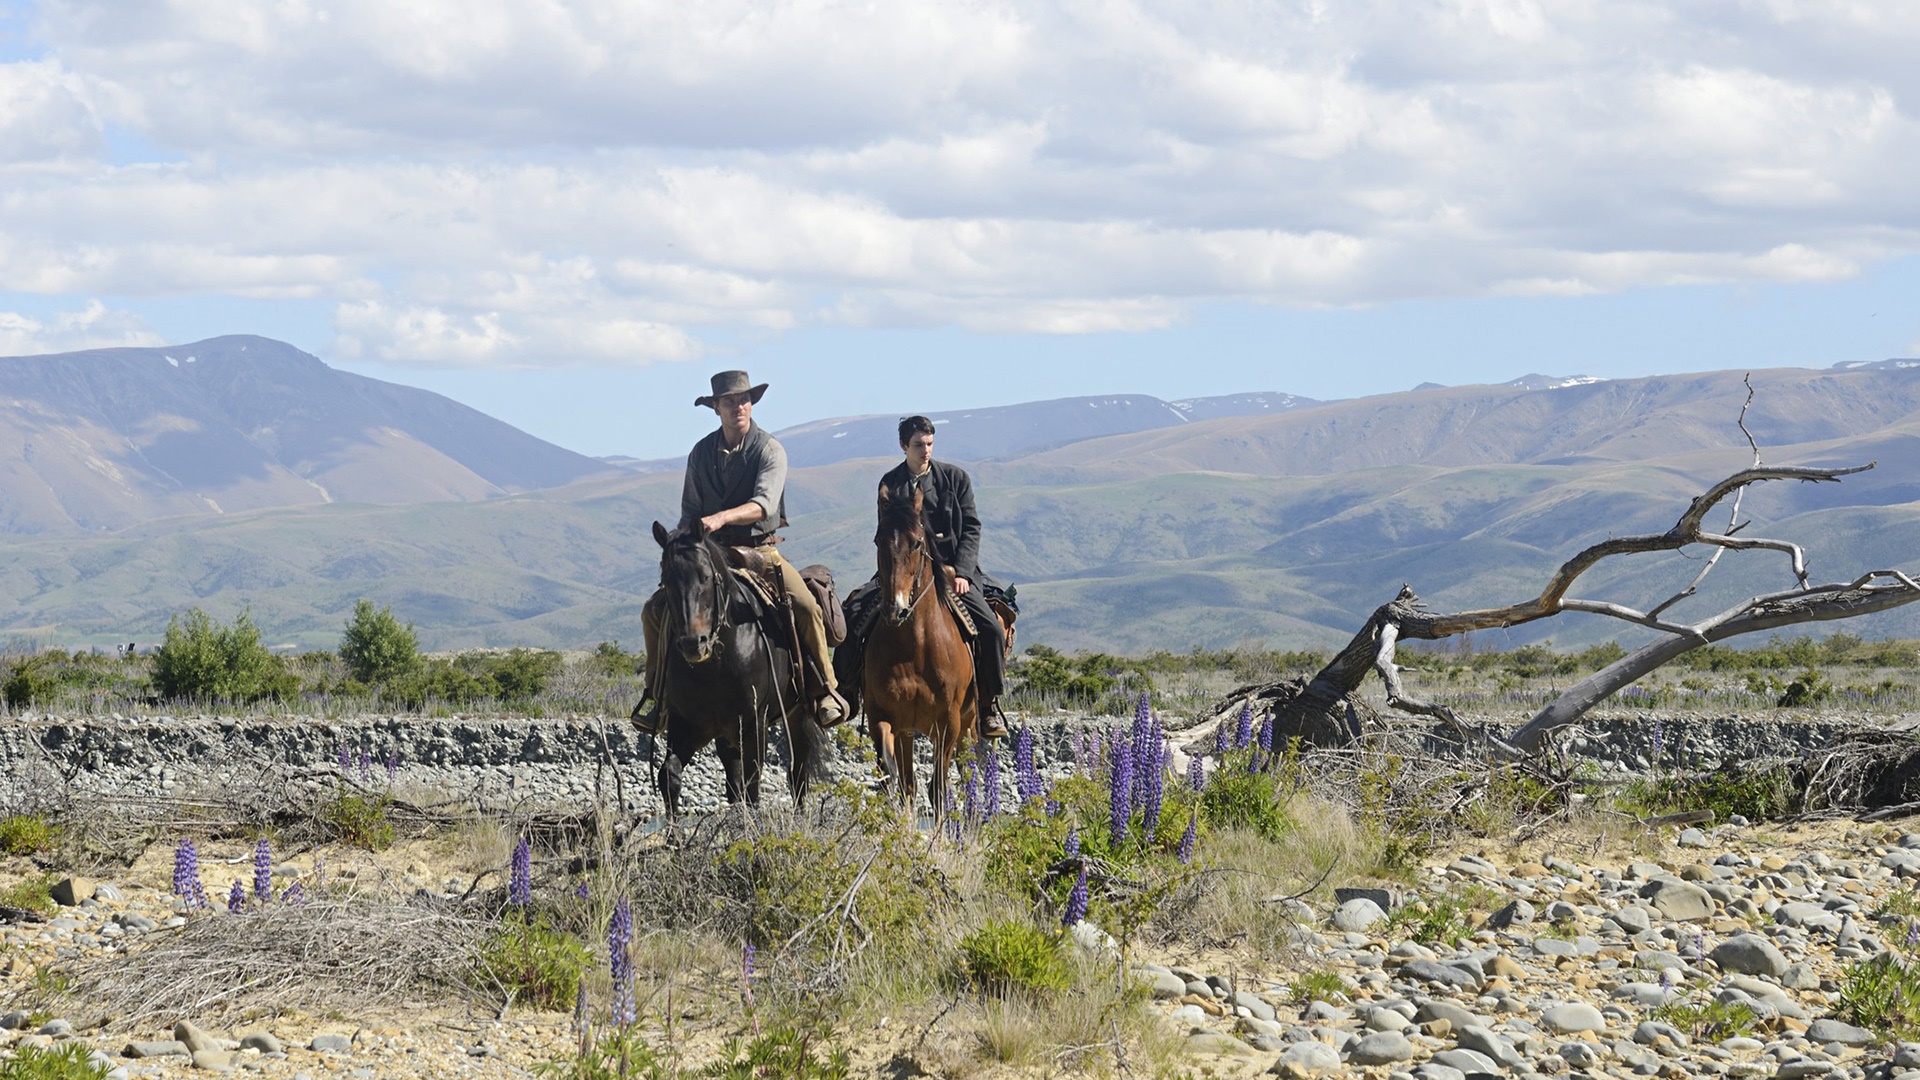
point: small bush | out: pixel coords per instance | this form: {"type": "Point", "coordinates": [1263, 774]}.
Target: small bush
{"type": "Point", "coordinates": [520, 674]}
{"type": "Point", "coordinates": [543, 966]}
{"type": "Point", "coordinates": [26, 834]}
{"type": "Point", "coordinates": [204, 661]}
{"type": "Point", "coordinates": [67, 1062]}
{"type": "Point", "coordinates": [31, 682]}
{"type": "Point", "coordinates": [32, 894]}
{"type": "Point", "coordinates": [1756, 793]}
{"type": "Point", "coordinates": [1807, 689]}
{"type": "Point", "coordinates": [616, 1055]}
{"type": "Point", "coordinates": [1008, 957]}
{"type": "Point", "coordinates": [1239, 797]}
{"type": "Point", "coordinates": [1882, 995]}
{"type": "Point", "coordinates": [1708, 1020]}
{"type": "Point", "coordinates": [375, 647]}
{"type": "Point", "coordinates": [1317, 986]}
{"type": "Point", "coordinates": [611, 660]}
{"type": "Point", "coordinates": [788, 1051]}
{"type": "Point", "coordinates": [360, 820]}
{"type": "Point", "coordinates": [1440, 920]}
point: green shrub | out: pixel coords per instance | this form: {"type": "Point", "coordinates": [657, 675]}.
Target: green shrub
{"type": "Point", "coordinates": [204, 661]}
{"type": "Point", "coordinates": [438, 680]}
{"type": "Point", "coordinates": [1709, 1020]}
{"type": "Point", "coordinates": [66, 1062]}
{"type": "Point", "coordinates": [611, 660]}
{"type": "Point", "coordinates": [520, 674]}
{"type": "Point", "coordinates": [375, 647]}
{"type": "Point", "coordinates": [360, 820]}
{"type": "Point", "coordinates": [1440, 920]}
{"type": "Point", "coordinates": [30, 682]}
{"type": "Point", "coordinates": [1317, 986]}
{"type": "Point", "coordinates": [26, 834]}
{"type": "Point", "coordinates": [1808, 688]}
{"type": "Point", "coordinates": [619, 1054]}
{"type": "Point", "coordinates": [543, 966]}
{"type": "Point", "coordinates": [1757, 793]}
{"type": "Point", "coordinates": [1238, 797]}
{"type": "Point", "coordinates": [1008, 957]}
{"type": "Point", "coordinates": [787, 1051]}
{"type": "Point", "coordinates": [33, 894]}
{"type": "Point", "coordinates": [1882, 995]}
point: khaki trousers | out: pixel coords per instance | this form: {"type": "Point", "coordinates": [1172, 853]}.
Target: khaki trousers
{"type": "Point", "coordinates": [806, 618]}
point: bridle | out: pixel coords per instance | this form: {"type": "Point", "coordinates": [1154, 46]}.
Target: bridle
{"type": "Point", "coordinates": [718, 587]}
{"type": "Point", "coordinates": [933, 572]}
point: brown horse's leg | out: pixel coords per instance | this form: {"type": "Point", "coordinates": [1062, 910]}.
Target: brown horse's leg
{"type": "Point", "coordinates": [902, 739]}
{"type": "Point", "coordinates": [881, 734]}
{"type": "Point", "coordinates": [806, 746]}
{"type": "Point", "coordinates": [940, 785]}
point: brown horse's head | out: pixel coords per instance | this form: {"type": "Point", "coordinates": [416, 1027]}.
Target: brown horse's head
{"type": "Point", "coordinates": [694, 576]}
{"type": "Point", "coordinates": [906, 567]}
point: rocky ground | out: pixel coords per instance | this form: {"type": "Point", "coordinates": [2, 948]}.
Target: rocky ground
{"type": "Point", "coordinates": [1572, 947]}
{"type": "Point", "coordinates": [1566, 975]}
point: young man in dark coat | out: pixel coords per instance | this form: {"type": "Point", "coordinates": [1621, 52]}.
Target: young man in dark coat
{"type": "Point", "coordinates": [954, 532]}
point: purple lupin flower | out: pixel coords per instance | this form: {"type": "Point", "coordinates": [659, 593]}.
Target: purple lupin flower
{"type": "Point", "coordinates": [1243, 731]}
{"type": "Point", "coordinates": [520, 879]}
{"type": "Point", "coordinates": [186, 875]}
{"type": "Point", "coordinates": [1142, 717]}
{"type": "Point", "coordinates": [970, 791]}
{"type": "Point", "coordinates": [620, 961]}
{"type": "Point", "coordinates": [1267, 735]}
{"type": "Point", "coordinates": [1076, 900]}
{"type": "Point", "coordinates": [1151, 780]}
{"type": "Point", "coordinates": [236, 898]}
{"type": "Point", "coordinates": [1120, 788]}
{"type": "Point", "coordinates": [346, 759]}
{"type": "Point", "coordinates": [1026, 775]}
{"type": "Point", "coordinates": [296, 894]}
{"type": "Point", "coordinates": [365, 761]}
{"type": "Point", "coordinates": [1073, 843]}
{"type": "Point", "coordinates": [1221, 741]}
{"type": "Point", "coordinates": [580, 891]}
{"type": "Point", "coordinates": [393, 764]}
{"type": "Point", "coordinates": [1197, 773]}
{"type": "Point", "coordinates": [746, 976]}
{"type": "Point", "coordinates": [262, 869]}
{"type": "Point", "coordinates": [989, 780]}
{"type": "Point", "coordinates": [1187, 838]}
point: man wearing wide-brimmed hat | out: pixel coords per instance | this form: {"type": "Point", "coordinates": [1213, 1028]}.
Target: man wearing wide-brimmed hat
{"type": "Point", "coordinates": [735, 489]}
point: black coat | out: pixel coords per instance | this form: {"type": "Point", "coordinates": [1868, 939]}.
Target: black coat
{"type": "Point", "coordinates": [948, 505]}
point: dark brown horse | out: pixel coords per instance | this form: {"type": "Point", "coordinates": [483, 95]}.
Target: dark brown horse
{"type": "Point", "coordinates": [918, 676]}
{"type": "Point", "coordinates": [730, 674]}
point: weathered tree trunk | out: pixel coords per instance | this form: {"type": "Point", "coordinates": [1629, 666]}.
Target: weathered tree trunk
{"type": "Point", "coordinates": [1328, 710]}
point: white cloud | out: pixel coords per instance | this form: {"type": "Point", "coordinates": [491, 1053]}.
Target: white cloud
{"type": "Point", "coordinates": [92, 327]}
{"type": "Point", "coordinates": [526, 182]}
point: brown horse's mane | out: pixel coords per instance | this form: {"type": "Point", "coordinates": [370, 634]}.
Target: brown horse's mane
{"type": "Point", "coordinates": [896, 514]}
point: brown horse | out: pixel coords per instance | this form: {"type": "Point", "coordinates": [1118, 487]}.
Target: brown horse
{"type": "Point", "coordinates": [918, 676]}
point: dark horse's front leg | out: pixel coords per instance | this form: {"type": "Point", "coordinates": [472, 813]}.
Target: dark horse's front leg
{"type": "Point", "coordinates": [743, 757]}
{"type": "Point", "coordinates": [682, 743]}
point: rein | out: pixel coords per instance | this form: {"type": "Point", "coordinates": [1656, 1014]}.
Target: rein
{"type": "Point", "coordinates": [933, 575]}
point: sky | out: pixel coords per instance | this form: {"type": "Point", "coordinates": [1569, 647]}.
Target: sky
{"type": "Point", "coordinates": [569, 214]}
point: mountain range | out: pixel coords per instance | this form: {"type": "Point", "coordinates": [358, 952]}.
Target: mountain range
{"type": "Point", "coordinates": [1129, 523]}
{"type": "Point", "coordinates": [108, 438]}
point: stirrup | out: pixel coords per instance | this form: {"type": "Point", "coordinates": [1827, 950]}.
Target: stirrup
{"type": "Point", "coordinates": [646, 716]}
{"type": "Point", "coordinates": [992, 724]}
{"type": "Point", "coordinates": [831, 709]}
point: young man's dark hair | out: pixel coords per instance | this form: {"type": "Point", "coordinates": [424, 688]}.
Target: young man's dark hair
{"type": "Point", "coordinates": [914, 425]}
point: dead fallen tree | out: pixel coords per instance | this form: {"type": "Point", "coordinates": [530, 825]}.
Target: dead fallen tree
{"type": "Point", "coordinates": [1327, 709]}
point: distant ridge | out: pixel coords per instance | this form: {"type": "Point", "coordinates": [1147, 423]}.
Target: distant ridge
{"type": "Point", "coordinates": [106, 438]}
{"type": "Point", "coordinates": [1006, 431]}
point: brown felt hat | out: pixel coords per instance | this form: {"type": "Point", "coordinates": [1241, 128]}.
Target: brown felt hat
{"type": "Point", "coordinates": [731, 382]}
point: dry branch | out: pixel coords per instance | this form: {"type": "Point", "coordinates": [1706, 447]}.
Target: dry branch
{"type": "Point", "coordinates": [1327, 709]}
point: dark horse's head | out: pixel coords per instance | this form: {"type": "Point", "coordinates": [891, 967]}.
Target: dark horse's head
{"type": "Point", "coordinates": [902, 544]}
{"type": "Point", "coordinates": [694, 574]}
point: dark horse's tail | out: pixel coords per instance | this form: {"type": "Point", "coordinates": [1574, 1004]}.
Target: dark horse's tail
{"type": "Point", "coordinates": [807, 743]}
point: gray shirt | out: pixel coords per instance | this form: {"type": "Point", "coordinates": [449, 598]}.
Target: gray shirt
{"type": "Point", "coordinates": [721, 479]}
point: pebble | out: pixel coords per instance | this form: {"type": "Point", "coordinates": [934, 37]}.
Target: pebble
{"type": "Point", "coordinates": [1572, 1017]}
{"type": "Point", "coordinates": [1380, 1048]}
{"type": "Point", "coordinates": [1357, 915]}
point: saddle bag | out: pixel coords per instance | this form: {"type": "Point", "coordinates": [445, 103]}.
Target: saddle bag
{"type": "Point", "coordinates": [819, 581]}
